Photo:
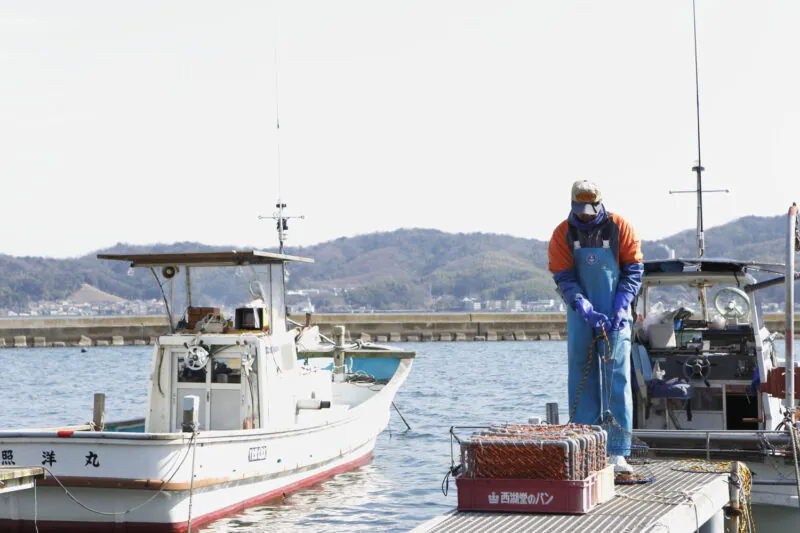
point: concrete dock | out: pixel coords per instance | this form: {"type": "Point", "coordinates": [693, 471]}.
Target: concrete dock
{"type": "Point", "coordinates": [13, 479]}
{"type": "Point", "coordinates": [59, 332]}
{"type": "Point", "coordinates": [678, 501]}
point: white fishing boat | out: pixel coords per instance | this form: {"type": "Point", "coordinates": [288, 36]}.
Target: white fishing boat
{"type": "Point", "coordinates": [235, 417]}
{"type": "Point", "coordinates": [708, 384]}
{"type": "Point", "coordinates": [708, 381]}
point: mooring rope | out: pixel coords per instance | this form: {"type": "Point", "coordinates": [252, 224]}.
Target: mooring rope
{"type": "Point", "coordinates": [191, 483]}
{"type": "Point", "coordinates": [72, 497]}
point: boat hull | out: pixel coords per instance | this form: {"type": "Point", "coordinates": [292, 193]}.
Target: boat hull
{"type": "Point", "coordinates": [157, 482]}
{"type": "Point", "coordinates": [56, 513]}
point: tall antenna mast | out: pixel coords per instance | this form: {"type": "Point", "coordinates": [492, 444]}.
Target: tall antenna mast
{"type": "Point", "coordinates": [282, 221]}
{"type": "Point", "coordinates": [698, 168]}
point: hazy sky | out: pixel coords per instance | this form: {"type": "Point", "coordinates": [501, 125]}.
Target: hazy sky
{"type": "Point", "coordinates": [146, 122]}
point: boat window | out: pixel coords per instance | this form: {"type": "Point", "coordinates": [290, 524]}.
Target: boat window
{"type": "Point", "coordinates": [186, 374]}
{"type": "Point", "coordinates": [671, 297]}
{"type": "Point", "coordinates": [226, 368]}
{"type": "Point", "coordinates": [277, 305]}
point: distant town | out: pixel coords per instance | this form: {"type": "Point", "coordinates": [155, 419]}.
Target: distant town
{"type": "Point", "coordinates": [89, 301]}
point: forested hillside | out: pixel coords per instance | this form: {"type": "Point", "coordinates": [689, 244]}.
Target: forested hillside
{"type": "Point", "coordinates": [402, 269]}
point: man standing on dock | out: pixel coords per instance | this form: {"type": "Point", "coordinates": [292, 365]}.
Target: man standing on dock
{"type": "Point", "coordinates": [596, 261]}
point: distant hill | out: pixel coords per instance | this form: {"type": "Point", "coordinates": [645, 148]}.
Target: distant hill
{"type": "Point", "coordinates": [402, 269]}
{"type": "Point", "coordinates": [89, 294]}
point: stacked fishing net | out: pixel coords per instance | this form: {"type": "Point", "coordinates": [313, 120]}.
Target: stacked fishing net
{"type": "Point", "coordinates": [522, 451]}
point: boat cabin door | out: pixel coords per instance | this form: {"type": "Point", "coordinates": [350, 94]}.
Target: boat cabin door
{"type": "Point", "coordinates": [227, 385]}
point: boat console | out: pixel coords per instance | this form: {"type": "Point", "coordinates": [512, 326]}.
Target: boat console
{"type": "Point", "coordinates": [695, 349]}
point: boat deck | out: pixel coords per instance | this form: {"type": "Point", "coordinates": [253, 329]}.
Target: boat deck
{"type": "Point", "coordinates": [678, 501]}
{"type": "Point", "coordinates": [13, 478]}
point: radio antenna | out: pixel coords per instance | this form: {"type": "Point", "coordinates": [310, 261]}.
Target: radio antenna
{"type": "Point", "coordinates": [698, 168]}
{"type": "Point", "coordinates": [281, 221]}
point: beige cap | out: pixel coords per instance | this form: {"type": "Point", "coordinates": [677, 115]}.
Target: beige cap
{"type": "Point", "coordinates": [586, 192]}
{"type": "Point", "coordinates": [586, 198]}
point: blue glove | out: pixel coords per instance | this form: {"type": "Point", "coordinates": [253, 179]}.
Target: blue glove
{"type": "Point", "coordinates": [593, 318]}
{"type": "Point", "coordinates": [622, 302]}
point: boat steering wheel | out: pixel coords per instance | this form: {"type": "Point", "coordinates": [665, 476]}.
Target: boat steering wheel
{"type": "Point", "coordinates": [731, 302]}
{"type": "Point", "coordinates": [697, 367]}
{"type": "Point", "coordinates": [196, 359]}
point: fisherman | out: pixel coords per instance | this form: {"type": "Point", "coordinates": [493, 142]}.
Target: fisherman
{"type": "Point", "coordinates": [596, 261]}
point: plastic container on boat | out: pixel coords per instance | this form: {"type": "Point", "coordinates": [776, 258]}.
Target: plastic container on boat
{"type": "Point", "coordinates": [529, 495]}
{"type": "Point", "coordinates": [662, 335]}
{"type": "Point", "coordinates": [604, 487]}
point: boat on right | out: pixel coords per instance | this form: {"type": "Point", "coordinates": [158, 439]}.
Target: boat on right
{"type": "Point", "coordinates": [708, 381]}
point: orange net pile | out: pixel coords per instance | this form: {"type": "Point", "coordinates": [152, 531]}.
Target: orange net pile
{"type": "Point", "coordinates": [522, 451]}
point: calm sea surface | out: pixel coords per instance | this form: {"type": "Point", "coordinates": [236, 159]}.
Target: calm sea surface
{"type": "Point", "coordinates": [467, 383]}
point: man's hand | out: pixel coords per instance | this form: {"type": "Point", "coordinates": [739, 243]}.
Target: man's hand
{"type": "Point", "coordinates": [593, 318]}
{"type": "Point", "coordinates": [622, 302]}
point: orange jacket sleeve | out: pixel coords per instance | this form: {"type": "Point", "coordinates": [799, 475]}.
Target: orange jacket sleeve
{"type": "Point", "coordinates": [630, 249]}
{"type": "Point", "coordinates": [559, 255]}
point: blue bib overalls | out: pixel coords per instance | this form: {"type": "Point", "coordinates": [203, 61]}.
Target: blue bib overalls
{"type": "Point", "coordinates": [606, 392]}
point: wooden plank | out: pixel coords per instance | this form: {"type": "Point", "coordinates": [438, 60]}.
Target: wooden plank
{"type": "Point", "coordinates": [14, 479]}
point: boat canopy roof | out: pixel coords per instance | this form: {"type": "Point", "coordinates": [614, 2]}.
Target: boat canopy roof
{"type": "Point", "coordinates": [205, 259]}
{"type": "Point", "coordinates": [721, 265]}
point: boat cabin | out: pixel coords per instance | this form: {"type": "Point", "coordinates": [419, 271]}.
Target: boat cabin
{"type": "Point", "coordinates": [234, 353]}
{"type": "Point", "coordinates": [699, 348]}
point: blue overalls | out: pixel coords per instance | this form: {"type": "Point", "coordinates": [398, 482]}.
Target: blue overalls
{"type": "Point", "coordinates": [608, 393]}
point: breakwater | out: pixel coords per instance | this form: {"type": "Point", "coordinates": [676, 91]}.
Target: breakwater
{"type": "Point", "coordinates": [378, 327]}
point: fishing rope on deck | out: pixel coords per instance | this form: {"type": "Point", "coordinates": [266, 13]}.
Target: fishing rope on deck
{"type": "Point", "coordinates": [742, 478]}
{"type": "Point", "coordinates": [191, 446]}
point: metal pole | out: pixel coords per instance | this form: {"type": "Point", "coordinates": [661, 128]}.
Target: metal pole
{"type": "Point", "coordinates": [171, 303]}
{"type": "Point", "coordinates": [701, 242]}
{"type": "Point", "coordinates": [789, 306]}
{"type": "Point", "coordinates": [188, 288]}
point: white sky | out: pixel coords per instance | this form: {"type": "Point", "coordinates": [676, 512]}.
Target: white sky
{"type": "Point", "coordinates": [146, 122]}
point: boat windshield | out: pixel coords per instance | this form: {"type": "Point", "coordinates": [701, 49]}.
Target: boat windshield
{"type": "Point", "coordinates": [714, 301]}
{"type": "Point", "coordinates": [223, 298]}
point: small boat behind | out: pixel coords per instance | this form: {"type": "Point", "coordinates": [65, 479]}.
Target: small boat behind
{"type": "Point", "coordinates": [235, 415]}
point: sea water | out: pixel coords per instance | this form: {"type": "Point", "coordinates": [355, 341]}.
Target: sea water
{"type": "Point", "coordinates": [451, 384]}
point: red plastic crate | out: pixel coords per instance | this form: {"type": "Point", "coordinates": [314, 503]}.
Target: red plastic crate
{"type": "Point", "coordinates": [526, 495]}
